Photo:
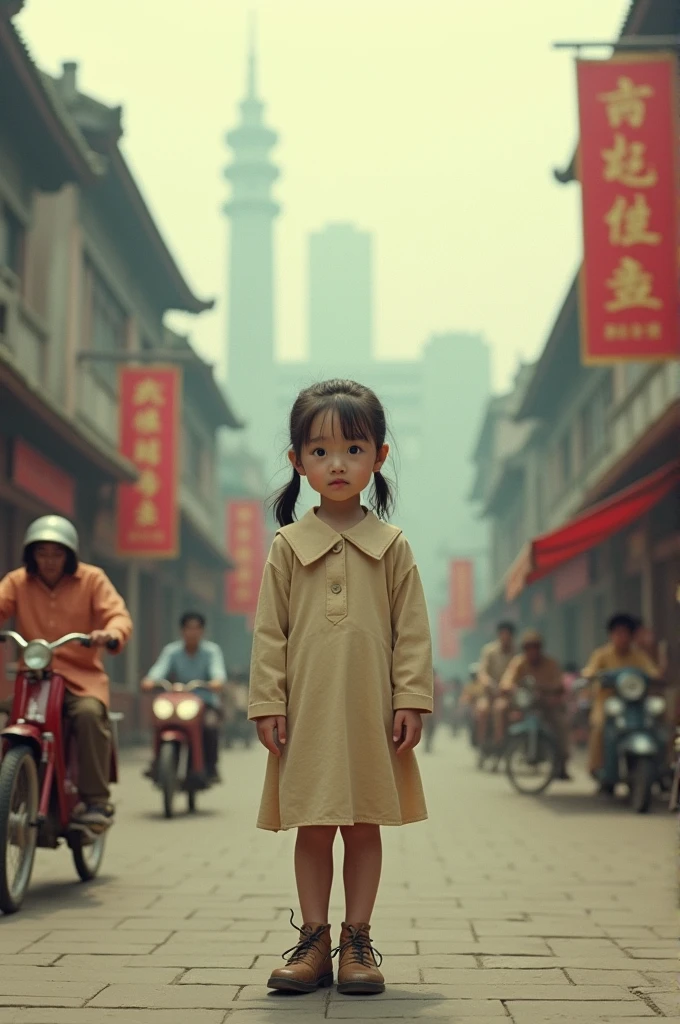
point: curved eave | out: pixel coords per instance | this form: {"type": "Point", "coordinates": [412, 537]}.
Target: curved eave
{"type": "Point", "coordinates": [180, 296]}
{"type": "Point", "coordinates": [535, 398]}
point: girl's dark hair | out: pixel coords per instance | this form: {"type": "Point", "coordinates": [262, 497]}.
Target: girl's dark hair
{"type": "Point", "coordinates": [361, 417]}
{"type": "Point", "coordinates": [70, 567]}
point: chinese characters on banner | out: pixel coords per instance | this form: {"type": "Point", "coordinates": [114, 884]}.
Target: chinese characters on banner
{"type": "Point", "coordinates": [449, 646]}
{"type": "Point", "coordinates": [148, 522]}
{"type": "Point", "coordinates": [246, 544]}
{"type": "Point", "coordinates": [629, 177]}
{"type": "Point", "coordinates": [462, 593]}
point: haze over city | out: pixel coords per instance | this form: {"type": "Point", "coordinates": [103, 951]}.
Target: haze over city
{"type": "Point", "coordinates": [435, 126]}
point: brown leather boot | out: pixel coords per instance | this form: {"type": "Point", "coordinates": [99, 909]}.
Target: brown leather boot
{"type": "Point", "coordinates": [358, 972]}
{"type": "Point", "coordinates": [309, 963]}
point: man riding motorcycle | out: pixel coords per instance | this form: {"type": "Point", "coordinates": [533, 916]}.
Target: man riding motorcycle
{"type": "Point", "coordinates": [193, 658]}
{"type": "Point", "coordinates": [494, 660]}
{"type": "Point", "coordinates": [54, 594]}
{"type": "Point", "coordinates": [619, 653]}
{"type": "Point", "coordinates": [550, 690]}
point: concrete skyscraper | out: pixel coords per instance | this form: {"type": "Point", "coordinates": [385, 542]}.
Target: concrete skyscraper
{"type": "Point", "coordinates": [340, 295]}
{"type": "Point", "coordinates": [251, 210]}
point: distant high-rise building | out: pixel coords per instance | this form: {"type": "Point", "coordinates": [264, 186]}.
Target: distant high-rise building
{"type": "Point", "coordinates": [340, 295]}
{"type": "Point", "coordinates": [251, 210]}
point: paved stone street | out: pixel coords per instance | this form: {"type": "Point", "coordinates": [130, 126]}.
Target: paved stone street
{"type": "Point", "coordinates": [499, 908]}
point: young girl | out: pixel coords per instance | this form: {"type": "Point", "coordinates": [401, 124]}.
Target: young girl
{"type": "Point", "coordinates": [341, 674]}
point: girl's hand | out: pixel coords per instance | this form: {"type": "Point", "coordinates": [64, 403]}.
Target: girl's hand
{"type": "Point", "coordinates": [408, 727]}
{"type": "Point", "coordinates": [269, 729]}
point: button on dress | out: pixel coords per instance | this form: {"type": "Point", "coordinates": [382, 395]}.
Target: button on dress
{"type": "Point", "coordinates": [341, 642]}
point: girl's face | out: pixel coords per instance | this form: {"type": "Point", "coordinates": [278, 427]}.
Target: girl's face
{"type": "Point", "coordinates": [338, 468]}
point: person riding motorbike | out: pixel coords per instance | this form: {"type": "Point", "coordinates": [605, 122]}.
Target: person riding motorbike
{"type": "Point", "coordinates": [190, 659]}
{"type": "Point", "coordinates": [54, 594]}
{"type": "Point", "coordinates": [619, 653]}
{"type": "Point", "coordinates": [494, 660]}
{"type": "Point", "coordinates": [550, 690]}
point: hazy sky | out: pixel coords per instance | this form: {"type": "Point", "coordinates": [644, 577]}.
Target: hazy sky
{"type": "Point", "coordinates": [433, 123]}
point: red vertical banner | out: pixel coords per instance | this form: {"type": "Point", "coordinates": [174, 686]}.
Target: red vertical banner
{"type": "Point", "coordinates": [246, 541]}
{"type": "Point", "coordinates": [150, 412]}
{"type": "Point", "coordinates": [448, 639]}
{"type": "Point", "coordinates": [628, 167]}
{"type": "Point", "coordinates": [462, 593]}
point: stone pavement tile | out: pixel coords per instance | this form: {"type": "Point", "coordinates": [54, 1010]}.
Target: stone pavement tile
{"type": "Point", "coordinates": [455, 1011]}
{"type": "Point", "coordinates": [104, 944]}
{"type": "Point", "coordinates": [99, 1016]}
{"type": "Point", "coordinates": [394, 966]}
{"type": "Point", "coordinates": [582, 947]}
{"type": "Point", "coordinates": [187, 997]}
{"type": "Point", "coordinates": [28, 959]}
{"type": "Point", "coordinates": [212, 938]}
{"type": "Point", "coordinates": [565, 927]}
{"type": "Point", "coordinates": [442, 976]}
{"type": "Point", "coordinates": [628, 931]}
{"type": "Point", "coordinates": [144, 938]}
{"type": "Point", "coordinates": [667, 931]}
{"type": "Point", "coordinates": [169, 924]}
{"type": "Point", "coordinates": [587, 976]}
{"type": "Point", "coordinates": [501, 946]}
{"type": "Point", "coordinates": [510, 989]}
{"type": "Point", "coordinates": [157, 961]}
{"type": "Point", "coordinates": [255, 997]}
{"type": "Point", "coordinates": [663, 979]}
{"type": "Point", "coordinates": [660, 952]}
{"type": "Point", "coordinates": [100, 974]}
{"type": "Point", "coordinates": [614, 962]}
{"type": "Point", "coordinates": [667, 1002]}
{"type": "Point", "coordinates": [28, 981]}
{"type": "Point", "coordinates": [20, 941]}
{"type": "Point", "coordinates": [55, 922]}
{"type": "Point", "coordinates": [130, 975]}
{"type": "Point", "coordinates": [233, 976]}
{"type": "Point", "coordinates": [540, 1013]}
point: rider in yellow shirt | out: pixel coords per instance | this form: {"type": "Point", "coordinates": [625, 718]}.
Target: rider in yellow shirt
{"type": "Point", "coordinates": [619, 653]}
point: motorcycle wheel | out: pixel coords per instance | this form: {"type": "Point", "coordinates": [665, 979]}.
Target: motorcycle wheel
{"type": "Point", "coordinates": [88, 856]}
{"type": "Point", "coordinates": [18, 829]}
{"type": "Point", "coordinates": [167, 775]}
{"type": "Point", "coordinates": [530, 776]}
{"type": "Point", "coordinates": [641, 775]}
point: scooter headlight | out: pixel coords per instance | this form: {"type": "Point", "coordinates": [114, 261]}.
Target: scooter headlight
{"type": "Point", "coordinates": [631, 685]}
{"type": "Point", "coordinates": [523, 698]}
{"type": "Point", "coordinates": [188, 709]}
{"type": "Point", "coordinates": [613, 706]}
{"type": "Point", "coordinates": [655, 705]}
{"type": "Point", "coordinates": [37, 655]}
{"type": "Point", "coordinates": [163, 708]}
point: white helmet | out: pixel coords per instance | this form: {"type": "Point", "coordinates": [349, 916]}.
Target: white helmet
{"type": "Point", "coordinates": [54, 529]}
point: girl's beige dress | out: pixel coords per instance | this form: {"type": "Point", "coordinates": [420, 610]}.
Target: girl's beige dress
{"type": "Point", "coordinates": [341, 642]}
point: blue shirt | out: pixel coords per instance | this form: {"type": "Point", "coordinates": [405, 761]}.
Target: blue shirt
{"type": "Point", "coordinates": [178, 666]}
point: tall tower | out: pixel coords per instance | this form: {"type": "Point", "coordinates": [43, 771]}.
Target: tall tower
{"type": "Point", "coordinates": [340, 295]}
{"type": "Point", "coordinates": [251, 210]}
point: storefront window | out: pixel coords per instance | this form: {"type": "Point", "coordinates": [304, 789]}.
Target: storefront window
{"type": "Point", "coordinates": [12, 237]}
{"type": "Point", "coordinates": [107, 322]}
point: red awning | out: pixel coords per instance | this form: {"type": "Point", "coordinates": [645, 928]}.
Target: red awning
{"type": "Point", "coordinates": [545, 554]}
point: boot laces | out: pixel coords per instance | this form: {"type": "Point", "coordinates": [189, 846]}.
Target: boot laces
{"type": "Point", "coordinates": [308, 942]}
{"type": "Point", "coordinates": [363, 950]}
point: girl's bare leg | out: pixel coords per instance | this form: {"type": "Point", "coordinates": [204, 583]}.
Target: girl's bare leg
{"type": "Point", "coordinates": [363, 864]}
{"type": "Point", "coordinates": [314, 871]}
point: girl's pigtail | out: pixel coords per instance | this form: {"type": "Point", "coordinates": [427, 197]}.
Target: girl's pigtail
{"type": "Point", "coordinates": [285, 501]}
{"type": "Point", "coordinates": [383, 498]}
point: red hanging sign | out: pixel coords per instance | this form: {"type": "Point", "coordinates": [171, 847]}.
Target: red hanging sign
{"type": "Point", "coordinates": [449, 641]}
{"type": "Point", "coordinates": [148, 514]}
{"type": "Point", "coordinates": [628, 168]}
{"type": "Point", "coordinates": [246, 540]}
{"type": "Point", "coordinates": [462, 593]}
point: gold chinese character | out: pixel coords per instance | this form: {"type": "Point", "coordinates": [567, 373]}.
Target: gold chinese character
{"type": "Point", "coordinates": [654, 330]}
{"type": "Point", "coordinates": [629, 222]}
{"type": "Point", "coordinates": [244, 574]}
{"type": "Point", "coordinates": [243, 553]}
{"type": "Point", "coordinates": [148, 484]}
{"type": "Point", "coordinates": [147, 421]}
{"type": "Point", "coordinates": [148, 392]}
{"type": "Point", "coordinates": [147, 513]}
{"type": "Point", "coordinates": [242, 593]}
{"type": "Point", "coordinates": [147, 451]}
{"type": "Point", "coordinates": [242, 534]}
{"type": "Point", "coordinates": [244, 514]}
{"type": "Point", "coordinates": [637, 331]}
{"type": "Point", "coordinates": [632, 286]}
{"type": "Point", "coordinates": [625, 163]}
{"type": "Point", "coordinates": [626, 103]}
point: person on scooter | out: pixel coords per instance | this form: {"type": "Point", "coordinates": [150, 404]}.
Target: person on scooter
{"type": "Point", "coordinates": [494, 660]}
{"type": "Point", "coordinates": [550, 690]}
{"type": "Point", "coordinates": [54, 594]}
{"type": "Point", "coordinates": [619, 653]}
{"type": "Point", "coordinates": [193, 658]}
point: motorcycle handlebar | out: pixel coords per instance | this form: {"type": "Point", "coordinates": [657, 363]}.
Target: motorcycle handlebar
{"type": "Point", "coordinates": [83, 639]}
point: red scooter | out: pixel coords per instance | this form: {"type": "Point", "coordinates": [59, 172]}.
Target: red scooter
{"type": "Point", "coordinates": [39, 774]}
{"type": "Point", "coordinates": [179, 716]}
